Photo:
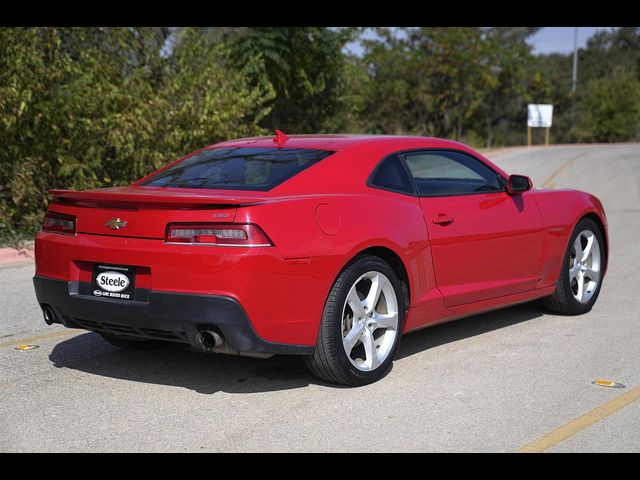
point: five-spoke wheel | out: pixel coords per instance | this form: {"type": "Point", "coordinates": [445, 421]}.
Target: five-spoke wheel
{"type": "Point", "coordinates": [584, 266]}
{"type": "Point", "coordinates": [361, 324]}
{"type": "Point", "coordinates": [581, 276]}
{"type": "Point", "coordinates": [369, 321]}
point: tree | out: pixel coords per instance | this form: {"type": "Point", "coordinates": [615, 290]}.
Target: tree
{"type": "Point", "coordinates": [390, 83]}
{"type": "Point", "coordinates": [455, 62]}
{"type": "Point", "coordinates": [610, 49]}
{"type": "Point", "coordinates": [555, 74]}
{"type": "Point", "coordinates": [90, 107]}
{"type": "Point", "coordinates": [446, 81]}
{"type": "Point", "coordinates": [31, 68]}
{"type": "Point", "coordinates": [208, 98]}
{"type": "Point", "coordinates": [351, 90]}
{"type": "Point", "coordinates": [303, 64]}
{"type": "Point", "coordinates": [610, 108]}
{"type": "Point", "coordinates": [608, 54]}
{"type": "Point", "coordinates": [516, 79]}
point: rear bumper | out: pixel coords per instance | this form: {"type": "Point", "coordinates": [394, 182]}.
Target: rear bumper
{"type": "Point", "coordinates": [283, 298]}
{"type": "Point", "coordinates": [169, 316]}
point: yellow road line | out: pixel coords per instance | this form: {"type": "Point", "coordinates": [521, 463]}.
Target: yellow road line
{"type": "Point", "coordinates": [40, 337]}
{"type": "Point", "coordinates": [570, 429]}
{"type": "Point", "coordinates": [548, 181]}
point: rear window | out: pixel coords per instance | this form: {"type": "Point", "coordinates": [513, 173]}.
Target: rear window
{"type": "Point", "coordinates": [237, 168]}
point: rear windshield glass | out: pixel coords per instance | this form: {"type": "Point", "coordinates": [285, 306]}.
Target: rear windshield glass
{"type": "Point", "coordinates": [237, 168]}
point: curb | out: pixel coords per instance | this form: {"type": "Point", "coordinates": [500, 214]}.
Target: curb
{"type": "Point", "coordinates": [14, 255]}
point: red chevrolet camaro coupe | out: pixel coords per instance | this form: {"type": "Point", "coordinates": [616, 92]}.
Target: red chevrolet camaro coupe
{"type": "Point", "coordinates": [327, 246]}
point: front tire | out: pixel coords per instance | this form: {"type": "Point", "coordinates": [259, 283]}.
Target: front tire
{"type": "Point", "coordinates": [361, 324]}
{"type": "Point", "coordinates": [582, 270]}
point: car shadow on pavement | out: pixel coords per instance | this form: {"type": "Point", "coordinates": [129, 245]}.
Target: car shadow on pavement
{"type": "Point", "coordinates": [178, 365]}
{"type": "Point", "coordinates": [431, 337]}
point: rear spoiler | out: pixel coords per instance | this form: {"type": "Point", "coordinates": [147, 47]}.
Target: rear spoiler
{"type": "Point", "coordinates": [155, 197]}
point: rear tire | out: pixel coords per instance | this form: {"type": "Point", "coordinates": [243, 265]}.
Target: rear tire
{"type": "Point", "coordinates": [133, 343]}
{"type": "Point", "coordinates": [361, 324]}
{"type": "Point", "coordinates": [583, 265]}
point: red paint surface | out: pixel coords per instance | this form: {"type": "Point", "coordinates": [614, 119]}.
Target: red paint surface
{"type": "Point", "coordinates": [498, 250]}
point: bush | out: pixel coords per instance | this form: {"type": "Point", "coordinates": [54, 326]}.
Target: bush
{"type": "Point", "coordinates": [611, 108]}
{"type": "Point", "coordinates": [91, 107]}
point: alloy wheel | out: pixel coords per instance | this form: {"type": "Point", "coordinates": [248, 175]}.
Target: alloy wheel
{"type": "Point", "coordinates": [369, 321]}
{"type": "Point", "coordinates": [584, 266]}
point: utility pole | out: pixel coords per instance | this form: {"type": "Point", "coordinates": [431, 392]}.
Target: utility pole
{"type": "Point", "coordinates": [574, 78]}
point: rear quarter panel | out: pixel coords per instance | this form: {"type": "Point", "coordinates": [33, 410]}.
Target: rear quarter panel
{"type": "Point", "coordinates": [331, 229]}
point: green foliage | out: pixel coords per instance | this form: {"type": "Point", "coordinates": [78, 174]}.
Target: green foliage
{"type": "Point", "coordinates": [473, 84]}
{"type": "Point", "coordinates": [608, 50]}
{"type": "Point", "coordinates": [516, 79]}
{"type": "Point", "coordinates": [392, 86]}
{"type": "Point", "coordinates": [84, 108]}
{"type": "Point", "coordinates": [351, 89]}
{"type": "Point", "coordinates": [610, 108]}
{"type": "Point", "coordinates": [609, 55]}
{"type": "Point", "coordinates": [304, 65]}
{"type": "Point", "coordinates": [210, 100]}
{"type": "Point", "coordinates": [608, 100]}
{"type": "Point", "coordinates": [30, 68]}
{"type": "Point", "coordinates": [557, 70]}
{"type": "Point", "coordinates": [446, 82]}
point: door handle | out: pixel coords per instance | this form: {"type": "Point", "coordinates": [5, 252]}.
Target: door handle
{"type": "Point", "coordinates": [442, 219]}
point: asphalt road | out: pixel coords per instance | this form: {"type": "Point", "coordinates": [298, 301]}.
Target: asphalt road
{"type": "Point", "coordinates": [494, 382]}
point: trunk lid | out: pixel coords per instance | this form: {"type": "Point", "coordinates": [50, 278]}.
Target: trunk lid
{"type": "Point", "coordinates": [144, 212]}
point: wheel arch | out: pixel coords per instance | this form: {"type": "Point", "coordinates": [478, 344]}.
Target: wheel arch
{"type": "Point", "coordinates": [603, 229]}
{"type": "Point", "coordinates": [394, 261]}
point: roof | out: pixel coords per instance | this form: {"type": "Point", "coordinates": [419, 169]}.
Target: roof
{"type": "Point", "coordinates": [334, 142]}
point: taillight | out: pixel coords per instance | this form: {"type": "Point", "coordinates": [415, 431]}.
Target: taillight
{"type": "Point", "coordinates": [225, 234]}
{"type": "Point", "coordinates": [59, 223]}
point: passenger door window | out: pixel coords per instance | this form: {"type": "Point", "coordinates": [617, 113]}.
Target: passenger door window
{"type": "Point", "coordinates": [440, 173]}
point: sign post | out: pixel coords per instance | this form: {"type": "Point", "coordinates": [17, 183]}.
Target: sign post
{"type": "Point", "coordinates": [539, 116]}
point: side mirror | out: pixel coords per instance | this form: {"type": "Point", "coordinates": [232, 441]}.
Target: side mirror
{"type": "Point", "coordinates": [519, 184]}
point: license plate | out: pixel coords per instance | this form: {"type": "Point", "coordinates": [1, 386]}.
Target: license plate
{"type": "Point", "coordinates": [114, 281]}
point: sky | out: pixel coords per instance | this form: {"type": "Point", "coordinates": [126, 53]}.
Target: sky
{"type": "Point", "coordinates": [546, 40]}
{"type": "Point", "coordinates": [560, 39]}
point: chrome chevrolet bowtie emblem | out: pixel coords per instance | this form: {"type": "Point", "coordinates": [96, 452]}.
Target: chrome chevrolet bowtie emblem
{"type": "Point", "coordinates": [116, 224]}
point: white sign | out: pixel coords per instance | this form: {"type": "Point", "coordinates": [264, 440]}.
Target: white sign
{"type": "Point", "coordinates": [112, 281]}
{"type": "Point", "coordinates": [539, 115]}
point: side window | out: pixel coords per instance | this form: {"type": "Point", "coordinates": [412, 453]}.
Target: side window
{"type": "Point", "coordinates": [444, 173]}
{"type": "Point", "coordinates": [392, 175]}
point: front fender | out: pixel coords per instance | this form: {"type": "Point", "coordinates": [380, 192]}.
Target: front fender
{"type": "Point", "coordinates": [561, 210]}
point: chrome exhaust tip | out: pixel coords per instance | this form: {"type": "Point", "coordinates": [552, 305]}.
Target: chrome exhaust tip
{"type": "Point", "coordinates": [208, 340]}
{"type": "Point", "coordinates": [48, 315]}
